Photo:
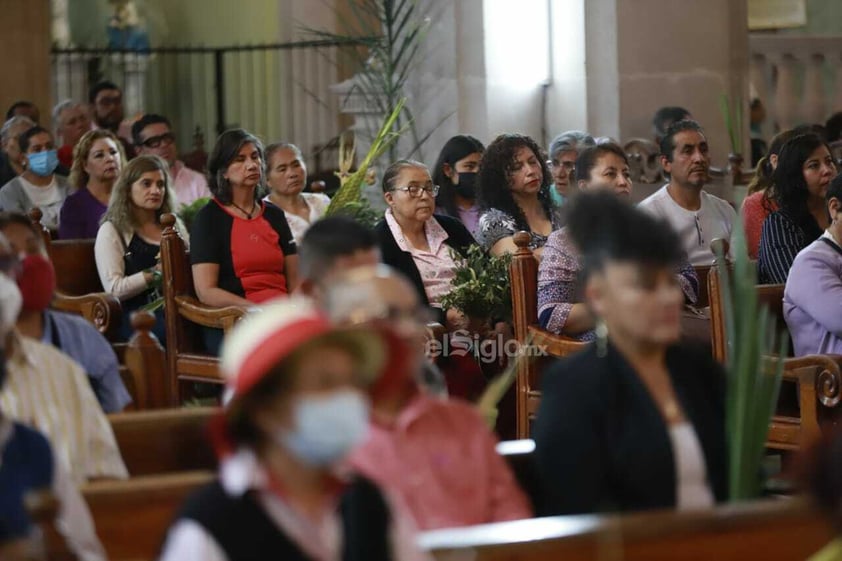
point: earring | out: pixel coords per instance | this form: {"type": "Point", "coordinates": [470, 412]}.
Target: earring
{"type": "Point", "coordinates": [601, 332]}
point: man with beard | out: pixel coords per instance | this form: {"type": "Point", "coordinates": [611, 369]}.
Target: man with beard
{"type": "Point", "coordinates": [106, 101]}
{"type": "Point", "coordinates": [697, 216]}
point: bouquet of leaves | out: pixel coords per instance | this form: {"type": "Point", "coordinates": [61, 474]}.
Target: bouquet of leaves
{"type": "Point", "coordinates": [756, 351]}
{"type": "Point", "coordinates": [481, 287]}
{"type": "Point", "coordinates": [188, 212]}
{"type": "Point", "coordinates": [349, 198]}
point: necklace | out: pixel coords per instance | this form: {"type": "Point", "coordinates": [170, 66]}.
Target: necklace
{"type": "Point", "coordinates": [248, 214]}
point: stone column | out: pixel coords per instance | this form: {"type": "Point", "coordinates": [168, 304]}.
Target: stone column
{"type": "Point", "coordinates": [645, 54]}
{"type": "Point", "coordinates": [25, 54]}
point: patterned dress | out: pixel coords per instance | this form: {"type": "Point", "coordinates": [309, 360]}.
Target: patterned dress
{"type": "Point", "coordinates": [559, 288]}
{"type": "Point", "coordinates": [494, 225]}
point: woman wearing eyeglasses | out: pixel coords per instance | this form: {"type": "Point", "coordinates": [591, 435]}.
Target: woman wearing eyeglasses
{"type": "Point", "coordinates": [563, 152]}
{"type": "Point", "coordinates": [417, 242]}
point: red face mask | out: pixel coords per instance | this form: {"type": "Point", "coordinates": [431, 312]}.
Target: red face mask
{"type": "Point", "coordinates": [37, 282]}
{"type": "Point", "coordinates": [396, 377]}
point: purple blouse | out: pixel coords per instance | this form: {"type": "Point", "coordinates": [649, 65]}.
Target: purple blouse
{"type": "Point", "coordinates": [80, 216]}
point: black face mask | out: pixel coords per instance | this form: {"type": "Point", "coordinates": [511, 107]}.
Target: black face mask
{"type": "Point", "coordinates": [467, 185]}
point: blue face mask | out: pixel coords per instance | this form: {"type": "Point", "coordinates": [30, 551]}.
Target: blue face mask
{"type": "Point", "coordinates": [43, 163]}
{"type": "Point", "coordinates": [326, 427]}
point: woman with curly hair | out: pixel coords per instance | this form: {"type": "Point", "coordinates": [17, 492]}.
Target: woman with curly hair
{"type": "Point", "coordinates": [128, 243]}
{"type": "Point", "coordinates": [514, 195]}
{"type": "Point", "coordinates": [455, 173]}
{"type": "Point", "coordinates": [97, 160]}
{"type": "Point", "coordinates": [805, 169]}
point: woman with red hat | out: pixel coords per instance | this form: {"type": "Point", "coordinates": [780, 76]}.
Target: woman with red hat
{"type": "Point", "coordinates": [296, 409]}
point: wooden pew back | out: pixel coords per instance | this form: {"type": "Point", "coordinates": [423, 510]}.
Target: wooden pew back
{"type": "Point", "coordinates": [164, 441]}
{"type": "Point", "coordinates": [132, 516]}
{"type": "Point", "coordinates": [770, 530]}
{"type": "Point", "coordinates": [523, 275]}
{"type": "Point", "coordinates": [75, 265]}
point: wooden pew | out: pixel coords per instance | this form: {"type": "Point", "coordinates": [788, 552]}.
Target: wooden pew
{"type": "Point", "coordinates": [164, 441]}
{"type": "Point", "coordinates": [132, 516]}
{"type": "Point", "coordinates": [185, 316]}
{"type": "Point", "coordinates": [779, 530]}
{"type": "Point", "coordinates": [810, 391]}
{"type": "Point", "coordinates": [523, 274]}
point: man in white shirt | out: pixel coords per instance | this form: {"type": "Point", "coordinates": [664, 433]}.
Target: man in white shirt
{"type": "Point", "coordinates": [697, 216]}
{"type": "Point", "coordinates": [152, 134]}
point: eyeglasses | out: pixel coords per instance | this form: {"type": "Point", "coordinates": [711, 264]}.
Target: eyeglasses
{"type": "Point", "coordinates": [416, 190]}
{"type": "Point", "coordinates": [569, 166]}
{"type": "Point", "coordinates": [156, 141]}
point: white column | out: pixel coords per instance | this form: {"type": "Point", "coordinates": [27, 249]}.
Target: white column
{"type": "Point", "coordinates": [814, 109]}
{"type": "Point", "coordinates": [786, 97]}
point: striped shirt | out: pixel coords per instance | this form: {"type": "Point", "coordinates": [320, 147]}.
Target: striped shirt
{"type": "Point", "coordinates": [47, 390]}
{"type": "Point", "coordinates": [780, 241]}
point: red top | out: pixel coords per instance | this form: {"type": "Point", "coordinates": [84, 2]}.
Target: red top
{"type": "Point", "coordinates": [754, 211]}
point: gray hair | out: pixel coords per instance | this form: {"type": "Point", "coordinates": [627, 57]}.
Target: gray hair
{"type": "Point", "coordinates": [13, 123]}
{"type": "Point", "coordinates": [570, 141]}
{"type": "Point", "coordinates": [63, 106]}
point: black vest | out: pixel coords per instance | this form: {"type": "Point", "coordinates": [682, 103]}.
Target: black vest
{"type": "Point", "coordinates": [245, 532]}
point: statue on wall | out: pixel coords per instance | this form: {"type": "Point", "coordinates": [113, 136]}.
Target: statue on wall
{"type": "Point", "coordinates": [126, 30]}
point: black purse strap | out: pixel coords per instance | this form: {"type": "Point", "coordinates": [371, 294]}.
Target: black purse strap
{"type": "Point", "coordinates": [832, 244]}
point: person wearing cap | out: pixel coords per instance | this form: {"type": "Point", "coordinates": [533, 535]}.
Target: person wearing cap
{"type": "Point", "coordinates": [296, 409]}
{"type": "Point", "coordinates": [437, 455]}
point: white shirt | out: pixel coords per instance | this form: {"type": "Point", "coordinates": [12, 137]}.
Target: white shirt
{"type": "Point", "coordinates": [188, 185]}
{"type": "Point", "coordinates": [691, 480]}
{"type": "Point", "coordinates": [316, 202]}
{"type": "Point", "coordinates": [48, 391]}
{"type": "Point", "coordinates": [696, 228]}
{"type": "Point", "coordinates": [188, 540]}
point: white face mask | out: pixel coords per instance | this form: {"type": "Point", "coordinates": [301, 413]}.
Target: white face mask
{"type": "Point", "coordinates": [326, 427]}
{"type": "Point", "coordinates": [10, 304]}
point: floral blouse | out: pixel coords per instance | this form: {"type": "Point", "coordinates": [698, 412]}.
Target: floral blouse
{"type": "Point", "coordinates": [559, 289]}
{"type": "Point", "coordinates": [494, 225]}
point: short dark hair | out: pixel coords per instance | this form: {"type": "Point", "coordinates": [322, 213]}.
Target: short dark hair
{"type": "Point", "coordinates": [834, 190]}
{"type": "Point", "coordinates": [14, 107]}
{"type": "Point", "coordinates": [665, 117]}
{"type": "Point", "coordinates": [606, 228]}
{"type": "Point", "coordinates": [329, 239]}
{"type": "Point", "coordinates": [101, 86]}
{"type": "Point", "coordinates": [228, 145]}
{"type": "Point", "coordinates": [7, 218]}
{"type": "Point", "coordinates": [26, 136]}
{"type": "Point", "coordinates": [667, 146]}
{"type": "Point", "coordinates": [587, 158]}
{"type": "Point", "coordinates": [145, 121]}
{"type": "Point", "coordinates": [833, 127]}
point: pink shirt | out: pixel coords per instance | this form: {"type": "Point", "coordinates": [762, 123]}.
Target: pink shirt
{"type": "Point", "coordinates": [439, 457]}
{"type": "Point", "coordinates": [188, 184]}
{"type": "Point", "coordinates": [436, 266]}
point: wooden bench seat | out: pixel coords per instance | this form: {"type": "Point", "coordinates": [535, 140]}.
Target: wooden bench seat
{"type": "Point", "coordinates": [132, 516]}
{"type": "Point", "coordinates": [772, 530]}
{"type": "Point", "coordinates": [165, 440]}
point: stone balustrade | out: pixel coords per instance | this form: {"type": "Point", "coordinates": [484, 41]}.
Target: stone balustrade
{"type": "Point", "coordinates": [798, 78]}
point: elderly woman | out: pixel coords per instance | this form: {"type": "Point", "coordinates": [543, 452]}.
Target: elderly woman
{"type": "Point", "coordinates": [561, 308]}
{"type": "Point", "coordinates": [11, 159]}
{"type": "Point", "coordinates": [805, 169]}
{"type": "Point", "coordinates": [38, 186]}
{"type": "Point", "coordinates": [514, 195]}
{"type": "Point", "coordinates": [72, 120]}
{"type": "Point", "coordinates": [297, 408]}
{"type": "Point", "coordinates": [455, 173]}
{"type": "Point", "coordinates": [420, 244]}
{"type": "Point", "coordinates": [97, 161]}
{"type": "Point", "coordinates": [286, 177]}
{"type": "Point", "coordinates": [563, 152]}
{"type": "Point", "coordinates": [128, 243]}
{"type": "Point", "coordinates": [635, 421]}
{"type": "Point", "coordinates": [814, 287]}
